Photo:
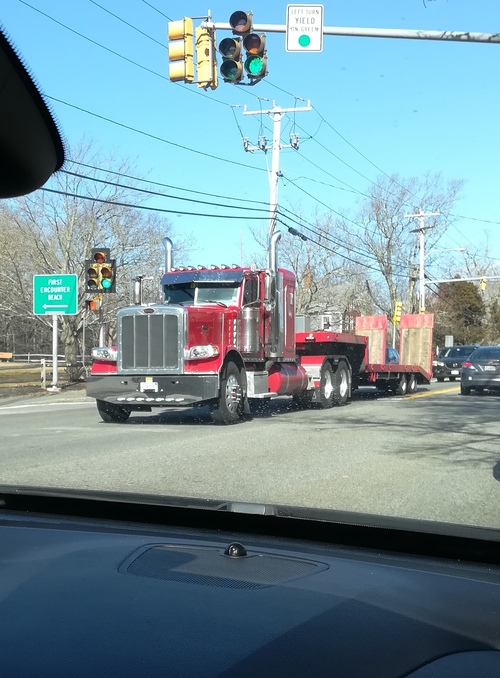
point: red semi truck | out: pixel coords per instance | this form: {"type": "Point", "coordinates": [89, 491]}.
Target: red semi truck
{"type": "Point", "coordinates": [224, 336]}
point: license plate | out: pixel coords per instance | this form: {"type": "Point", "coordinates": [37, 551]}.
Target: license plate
{"type": "Point", "coordinates": [490, 368]}
{"type": "Point", "coordinates": [454, 371]}
{"type": "Point", "coordinates": [145, 386]}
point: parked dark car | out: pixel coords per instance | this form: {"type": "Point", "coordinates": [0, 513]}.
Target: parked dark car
{"type": "Point", "coordinates": [450, 361]}
{"type": "Point", "coordinates": [481, 370]}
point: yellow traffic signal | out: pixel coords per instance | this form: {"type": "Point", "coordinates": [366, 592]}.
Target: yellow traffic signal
{"type": "Point", "coordinates": [206, 63]}
{"type": "Point", "coordinates": [483, 284]}
{"type": "Point", "coordinates": [398, 307]}
{"type": "Point", "coordinates": [180, 52]}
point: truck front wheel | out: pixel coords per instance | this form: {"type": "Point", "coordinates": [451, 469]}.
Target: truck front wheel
{"type": "Point", "coordinates": [229, 407]}
{"type": "Point", "coordinates": [111, 413]}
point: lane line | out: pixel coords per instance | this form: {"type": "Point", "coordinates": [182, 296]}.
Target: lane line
{"type": "Point", "coordinates": [53, 404]}
{"type": "Point", "coordinates": [453, 389]}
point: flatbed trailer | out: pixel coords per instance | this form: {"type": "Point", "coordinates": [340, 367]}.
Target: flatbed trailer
{"type": "Point", "coordinates": [364, 351]}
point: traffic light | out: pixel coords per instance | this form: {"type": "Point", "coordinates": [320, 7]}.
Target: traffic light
{"type": "Point", "coordinates": [398, 307]}
{"type": "Point", "coordinates": [206, 63]}
{"type": "Point", "coordinates": [231, 49]}
{"type": "Point", "coordinates": [231, 68]}
{"type": "Point", "coordinates": [100, 271]}
{"type": "Point", "coordinates": [255, 62]}
{"type": "Point", "coordinates": [483, 284]}
{"type": "Point", "coordinates": [180, 52]}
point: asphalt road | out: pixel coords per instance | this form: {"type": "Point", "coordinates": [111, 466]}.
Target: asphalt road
{"type": "Point", "coordinates": [434, 455]}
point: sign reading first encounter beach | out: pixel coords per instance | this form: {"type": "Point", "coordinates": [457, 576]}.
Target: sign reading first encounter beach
{"type": "Point", "coordinates": [55, 294]}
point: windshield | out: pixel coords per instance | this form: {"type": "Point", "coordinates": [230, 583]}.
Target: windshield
{"type": "Point", "coordinates": [457, 352]}
{"type": "Point", "coordinates": [201, 293]}
{"type": "Point", "coordinates": [326, 206]}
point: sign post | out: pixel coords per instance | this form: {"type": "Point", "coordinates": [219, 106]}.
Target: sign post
{"type": "Point", "coordinates": [54, 295]}
{"type": "Point", "coordinates": [304, 28]}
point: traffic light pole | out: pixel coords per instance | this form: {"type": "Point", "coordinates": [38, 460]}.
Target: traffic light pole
{"type": "Point", "coordinates": [277, 113]}
{"type": "Point", "coordinates": [359, 32]}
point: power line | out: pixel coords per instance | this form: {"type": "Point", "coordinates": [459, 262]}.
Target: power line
{"type": "Point", "coordinates": [343, 256]}
{"type": "Point", "coordinates": [94, 42]}
{"type": "Point", "coordinates": [156, 9]}
{"type": "Point", "coordinates": [162, 195]}
{"type": "Point", "coordinates": [144, 207]}
{"type": "Point", "coordinates": [104, 9]}
{"type": "Point", "coordinates": [154, 136]}
{"type": "Point", "coordinates": [158, 183]}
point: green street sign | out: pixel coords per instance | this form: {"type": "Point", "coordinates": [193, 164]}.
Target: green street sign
{"type": "Point", "coordinates": [57, 293]}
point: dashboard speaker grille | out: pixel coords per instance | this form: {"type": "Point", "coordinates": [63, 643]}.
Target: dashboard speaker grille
{"type": "Point", "coordinates": [210, 567]}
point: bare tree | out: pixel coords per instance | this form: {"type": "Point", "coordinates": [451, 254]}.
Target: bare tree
{"type": "Point", "coordinates": [54, 232]}
{"type": "Point", "coordinates": [389, 239]}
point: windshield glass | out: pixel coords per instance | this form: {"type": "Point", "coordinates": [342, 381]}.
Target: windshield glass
{"type": "Point", "coordinates": [458, 351]}
{"type": "Point", "coordinates": [327, 210]}
{"type": "Point", "coordinates": [226, 294]}
{"type": "Point", "coordinates": [487, 353]}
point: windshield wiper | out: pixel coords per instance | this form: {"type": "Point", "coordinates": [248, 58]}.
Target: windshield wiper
{"type": "Point", "coordinates": [214, 301]}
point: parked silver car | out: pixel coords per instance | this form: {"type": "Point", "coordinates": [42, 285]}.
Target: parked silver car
{"type": "Point", "coordinates": [481, 370]}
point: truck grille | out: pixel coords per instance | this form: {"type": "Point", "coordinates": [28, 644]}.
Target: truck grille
{"type": "Point", "coordinates": [150, 342]}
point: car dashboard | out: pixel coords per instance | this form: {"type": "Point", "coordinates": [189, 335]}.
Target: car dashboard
{"type": "Point", "coordinates": [87, 595]}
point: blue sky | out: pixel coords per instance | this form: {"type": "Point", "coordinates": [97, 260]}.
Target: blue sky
{"type": "Point", "coordinates": [408, 106]}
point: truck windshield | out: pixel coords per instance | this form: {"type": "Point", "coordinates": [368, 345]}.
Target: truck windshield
{"type": "Point", "coordinates": [201, 293]}
{"type": "Point", "coordinates": [178, 294]}
{"type": "Point", "coordinates": [223, 293]}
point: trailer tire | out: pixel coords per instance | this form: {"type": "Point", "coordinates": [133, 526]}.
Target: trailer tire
{"type": "Point", "coordinates": [229, 406]}
{"type": "Point", "coordinates": [341, 384]}
{"type": "Point", "coordinates": [111, 413]}
{"type": "Point", "coordinates": [402, 385]}
{"type": "Point", "coordinates": [412, 384]}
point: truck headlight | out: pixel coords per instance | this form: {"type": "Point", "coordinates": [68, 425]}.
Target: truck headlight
{"type": "Point", "coordinates": [439, 364]}
{"type": "Point", "coordinates": [105, 353]}
{"type": "Point", "coordinates": [197, 352]}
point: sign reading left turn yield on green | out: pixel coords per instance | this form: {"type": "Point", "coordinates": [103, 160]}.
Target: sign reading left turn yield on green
{"type": "Point", "coordinates": [57, 293]}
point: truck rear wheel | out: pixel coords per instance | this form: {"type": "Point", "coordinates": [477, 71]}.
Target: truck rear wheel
{"type": "Point", "coordinates": [112, 414]}
{"type": "Point", "coordinates": [412, 384]}
{"type": "Point", "coordinates": [402, 385]}
{"type": "Point", "coordinates": [341, 384]}
{"type": "Point", "coordinates": [229, 407]}
{"type": "Point", "coordinates": [326, 387]}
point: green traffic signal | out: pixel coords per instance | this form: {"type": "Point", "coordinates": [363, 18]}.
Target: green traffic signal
{"type": "Point", "coordinates": [255, 66]}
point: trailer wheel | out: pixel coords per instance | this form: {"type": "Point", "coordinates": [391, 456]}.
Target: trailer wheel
{"type": "Point", "coordinates": [112, 414]}
{"type": "Point", "coordinates": [402, 385]}
{"type": "Point", "coordinates": [229, 407]}
{"type": "Point", "coordinates": [412, 384]}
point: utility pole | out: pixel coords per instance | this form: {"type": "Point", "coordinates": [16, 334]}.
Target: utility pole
{"type": "Point", "coordinates": [421, 230]}
{"type": "Point", "coordinates": [277, 113]}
